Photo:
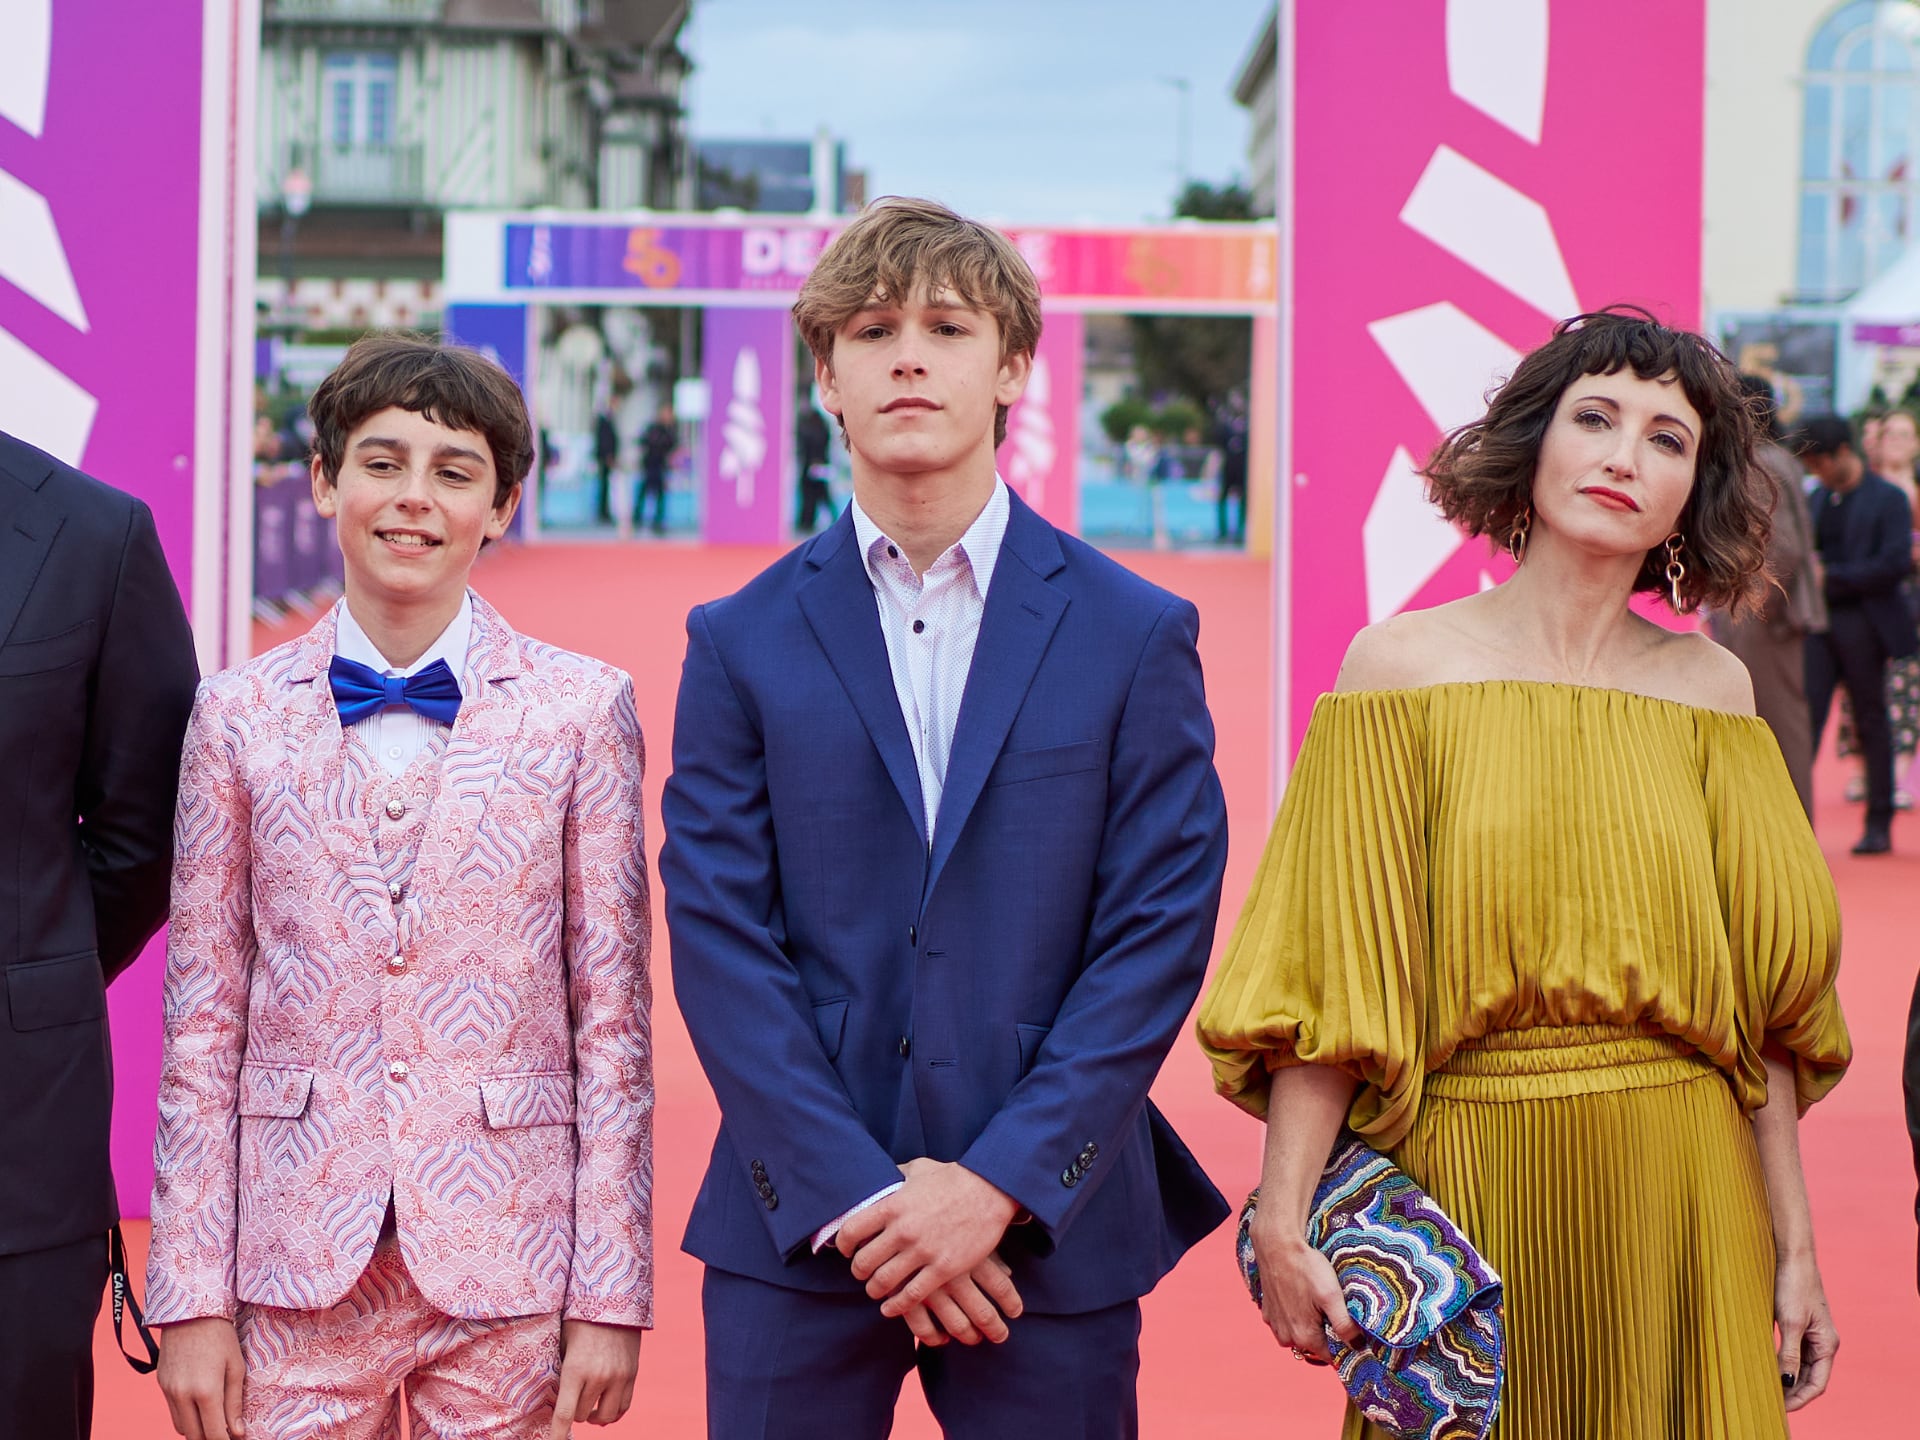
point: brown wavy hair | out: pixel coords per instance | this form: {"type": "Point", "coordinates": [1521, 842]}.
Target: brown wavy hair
{"type": "Point", "coordinates": [1481, 476]}
{"type": "Point", "coordinates": [449, 384]}
{"type": "Point", "coordinates": [899, 243]}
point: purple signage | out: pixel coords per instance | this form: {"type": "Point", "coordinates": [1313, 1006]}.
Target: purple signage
{"type": "Point", "coordinates": [100, 247]}
{"type": "Point", "coordinates": [1898, 335]}
{"type": "Point", "coordinates": [102, 322]}
{"type": "Point", "coordinates": [749, 374]}
{"type": "Point", "coordinates": [646, 257]}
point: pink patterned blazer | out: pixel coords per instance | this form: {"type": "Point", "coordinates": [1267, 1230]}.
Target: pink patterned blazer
{"type": "Point", "coordinates": [477, 1049]}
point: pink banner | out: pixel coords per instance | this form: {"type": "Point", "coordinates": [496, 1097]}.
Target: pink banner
{"type": "Point", "coordinates": [747, 480]}
{"type": "Point", "coordinates": [1461, 179]}
{"type": "Point", "coordinates": [1041, 459]}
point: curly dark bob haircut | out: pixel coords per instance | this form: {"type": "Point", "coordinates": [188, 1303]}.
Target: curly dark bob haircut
{"type": "Point", "coordinates": [449, 384]}
{"type": "Point", "coordinates": [1481, 476]}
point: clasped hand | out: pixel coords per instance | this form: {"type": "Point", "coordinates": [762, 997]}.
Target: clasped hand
{"type": "Point", "coordinates": [927, 1252]}
{"type": "Point", "coordinates": [1300, 1295]}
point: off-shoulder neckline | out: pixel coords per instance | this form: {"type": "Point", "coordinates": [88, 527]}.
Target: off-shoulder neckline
{"type": "Point", "coordinates": [1513, 682]}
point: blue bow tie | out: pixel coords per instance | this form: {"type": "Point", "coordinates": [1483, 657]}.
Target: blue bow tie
{"type": "Point", "coordinates": [360, 690]}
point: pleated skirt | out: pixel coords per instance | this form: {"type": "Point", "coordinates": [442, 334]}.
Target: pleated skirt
{"type": "Point", "coordinates": [1610, 1178]}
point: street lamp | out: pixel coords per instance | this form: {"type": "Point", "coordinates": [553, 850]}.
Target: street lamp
{"type": "Point", "coordinates": [296, 194]}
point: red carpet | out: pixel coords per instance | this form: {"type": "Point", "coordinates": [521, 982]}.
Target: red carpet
{"type": "Point", "coordinates": [1208, 1367]}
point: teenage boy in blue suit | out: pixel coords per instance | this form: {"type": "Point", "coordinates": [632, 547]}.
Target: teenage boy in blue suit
{"type": "Point", "coordinates": [943, 858]}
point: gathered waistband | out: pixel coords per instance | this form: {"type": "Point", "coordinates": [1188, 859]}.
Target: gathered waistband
{"type": "Point", "coordinates": [1550, 1061]}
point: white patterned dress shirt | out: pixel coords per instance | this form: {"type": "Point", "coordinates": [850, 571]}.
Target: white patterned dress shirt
{"type": "Point", "coordinates": [397, 735]}
{"type": "Point", "coordinates": [931, 623]}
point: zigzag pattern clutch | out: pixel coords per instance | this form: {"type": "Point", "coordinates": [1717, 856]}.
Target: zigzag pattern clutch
{"type": "Point", "coordinates": [1433, 1360]}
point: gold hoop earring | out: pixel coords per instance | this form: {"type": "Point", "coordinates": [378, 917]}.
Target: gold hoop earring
{"type": "Point", "coordinates": [1676, 568]}
{"type": "Point", "coordinates": [1517, 537]}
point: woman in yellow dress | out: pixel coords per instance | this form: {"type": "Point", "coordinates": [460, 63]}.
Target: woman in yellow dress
{"type": "Point", "coordinates": [1541, 919]}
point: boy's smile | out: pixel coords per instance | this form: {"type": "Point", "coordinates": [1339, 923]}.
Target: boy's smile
{"type": "Point", "coordinates": [414, 500]}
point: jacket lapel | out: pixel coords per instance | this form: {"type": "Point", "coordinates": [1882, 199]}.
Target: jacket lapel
{"type": "Point", "coordinates": [1022, 612]}
{"type": "Point", "coordinates": [838, 603]}
{"type": "Point", "coordinates": [318, 747]}
{"type": "Point", "coordinates": [491, 713]}
{"type": "Point", "coordinates": [27, 530]}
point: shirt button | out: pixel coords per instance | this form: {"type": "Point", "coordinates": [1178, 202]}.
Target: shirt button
{"type": "Point", "coordinates": [398, 965]}
{"type": "Point", "coordinates": [397, 1070]}
{"type": "Point", "coordinates": [396, 808]}
{"type": "Point", "coordinates": [893, 552]}
{"type": "Point", "coordinates": [918, 626]}
{"type": "Point", "coordinates": [393, 752]}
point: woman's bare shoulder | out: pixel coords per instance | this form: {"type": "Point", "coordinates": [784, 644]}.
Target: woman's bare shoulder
{"type": "Point", "coordinates": [1695, 671]}
{"type": "Point", "coordinates": [1411, 650]}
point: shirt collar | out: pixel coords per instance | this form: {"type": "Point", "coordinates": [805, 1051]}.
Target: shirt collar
{"type": "Point", "coordinates": [350, 642]}
{"type": "Point", "coordinates": [980, 544]}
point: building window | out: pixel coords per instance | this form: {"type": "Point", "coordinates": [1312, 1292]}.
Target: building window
{"type": "Point", "coordinates": [359, 90]}
{"type": "Point", "coordinates": [1858, 185]}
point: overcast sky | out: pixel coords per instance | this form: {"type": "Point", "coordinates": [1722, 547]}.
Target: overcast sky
{"type": "Point", "coordinates": [1055, 111]}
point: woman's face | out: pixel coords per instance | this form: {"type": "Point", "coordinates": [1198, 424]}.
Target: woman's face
{"type": "Point", "coordinates": [1617, 463]}
{"type": "Point", "coordinates": [1899, 444]}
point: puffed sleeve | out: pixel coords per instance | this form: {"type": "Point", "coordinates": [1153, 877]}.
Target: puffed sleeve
{"type": "Point", "coordinates": [1783, 922]}
{"type": "Point", "coordinates": [1328, 963]}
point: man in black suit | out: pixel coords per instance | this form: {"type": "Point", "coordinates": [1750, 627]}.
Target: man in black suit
{"type": "Point", "coordinates": [97, 675]}
{"type": "Point", "coordinates": [1863, 527]}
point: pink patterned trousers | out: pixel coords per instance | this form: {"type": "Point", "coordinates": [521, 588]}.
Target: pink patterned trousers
{"type": "Point", "coordinates": [339, 1374]}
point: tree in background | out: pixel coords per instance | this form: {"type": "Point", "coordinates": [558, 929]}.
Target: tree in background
{"type": "Point", "coordinates": [1200, 358]}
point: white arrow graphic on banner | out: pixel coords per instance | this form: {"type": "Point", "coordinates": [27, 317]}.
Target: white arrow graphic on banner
{"type": "Point", "coordinates": [1497, 60]}
{"type": "Point", "coordinates": [1449, 361]}
{"type": "Point", "coordinates": [26, 62]}
{"type": "Point", "coordinates": [1485, 223]}
{"type": "Point", "coordinates": [1406, 541]}
{"type": "Point", "coordinates": [37, 400]}
{"type": "Point", "coordinates": [31, 255]}
{"type": "Point", "coordinates": [1033, 443]}
{"type": "Point", "coordinates": [744, 435]}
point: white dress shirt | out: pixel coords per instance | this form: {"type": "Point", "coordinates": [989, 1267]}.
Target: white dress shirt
{"type": "Point", "coordinates": [397, 735]}
{"type": "Point", "coordinates": [931, 623]}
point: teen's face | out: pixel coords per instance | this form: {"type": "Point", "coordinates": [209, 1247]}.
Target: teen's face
{"type": "Point", "coordinates": [1617, 462]}
{"type": "Point", "coordinates": [916, 381]}
{"type": "Point", "coordinates": [414, 502]}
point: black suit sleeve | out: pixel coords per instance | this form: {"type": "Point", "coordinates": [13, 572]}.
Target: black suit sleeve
{"type": "Point", "coordinates": [137, 709]}
{"type": "Point", "coordinates": [1910, 1082]}
{"type": "Point", "coordinates": [1889, 555]}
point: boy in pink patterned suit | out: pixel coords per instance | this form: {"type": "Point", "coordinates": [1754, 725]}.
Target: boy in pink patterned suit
{"type": "Point", "coordinates": [406, 1100]}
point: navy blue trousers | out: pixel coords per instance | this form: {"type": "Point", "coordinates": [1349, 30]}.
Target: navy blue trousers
{"type": "Point", "coordinates": [796, 1365]}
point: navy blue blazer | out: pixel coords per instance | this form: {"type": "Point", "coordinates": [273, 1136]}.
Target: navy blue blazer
{"type": "Point", "coordinates": [1003, 998]}
{"type": "Point", "coordinates": [1873, 557]}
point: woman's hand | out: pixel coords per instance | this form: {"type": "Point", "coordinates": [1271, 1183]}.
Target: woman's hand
{"type": "Point", "coordinates": [1808, 1341]}
{"type": "Point", "coordinates": [1299, 1293]}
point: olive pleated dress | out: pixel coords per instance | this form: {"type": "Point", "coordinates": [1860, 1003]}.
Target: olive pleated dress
{"type": "Point", "coordinates": [1551, 930]}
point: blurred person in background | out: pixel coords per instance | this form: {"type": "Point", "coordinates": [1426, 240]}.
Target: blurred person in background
{"type": "Point", "coordinates": [1863, 529]}
{"type": "Point", "coordinates": [1772, 642]}
{"type": "Point", "coordinates": [97, 673]}
{"type": "Point", "coordinates": [606, 454]}
{"type": "Point", "coordinates": [812, 441]}
{"type": "Point", "coordinates": [1230, 435]}
{"type": "Point", "coordinates": [657, 444]}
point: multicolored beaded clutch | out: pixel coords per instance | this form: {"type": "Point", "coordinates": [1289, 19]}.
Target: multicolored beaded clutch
{"type": "Point", "coordinates": [1432, 1361]}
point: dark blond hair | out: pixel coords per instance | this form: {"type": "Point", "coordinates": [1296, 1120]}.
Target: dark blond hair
{"type": "Point", "coordinates": [1481, 476]}
{"type": "Point", "coordinates": [899, 244]}
{"type": "Point", "coordinates": [449, 384]}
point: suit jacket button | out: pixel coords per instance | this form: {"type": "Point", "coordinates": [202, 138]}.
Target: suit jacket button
{"type": "Point", "coordinates": [773, 1200]}
{"type": "Point", "coordinates": [1069, 1177]}
{"type": "Point", "coordinates": [396, 809]}
{"type": "Point", "coordinates": [758, 1170]}
{"type": "Point", "coordinates": [1090, 1153]}
{"type": "Point", "coordinates": [913, 935]}
{"type": "Point", "coordinates": [906, 1047]}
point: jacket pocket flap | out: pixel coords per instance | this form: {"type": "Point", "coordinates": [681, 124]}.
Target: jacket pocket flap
{"type": "Point", "coordinates": [1014, 766]}
{"type": "Point", "coordinates": [1031, 1037]}
{"type": "Point", "coordinates": [45, 993]}
{"type": "Point", "coordinates": [274, 1090]}
{"type": "Point", "coordinates": [513, 1101]}
{"type": "Point", "coordinates": [830, 1019]}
